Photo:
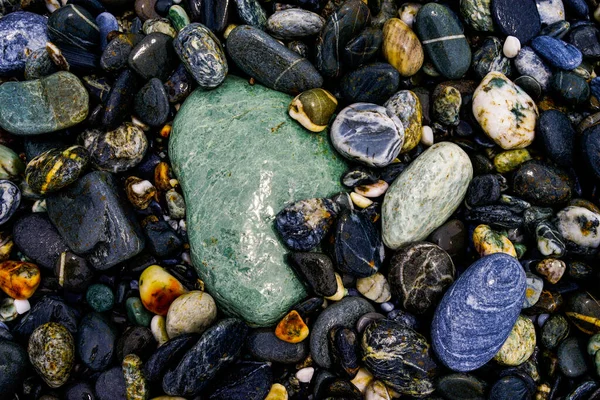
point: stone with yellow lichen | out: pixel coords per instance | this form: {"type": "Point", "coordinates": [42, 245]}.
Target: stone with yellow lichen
{"type": "Point", "coordinates": [446, 105]}
{"type": "Point", "coordinates": [407, 107]}
{"type": "Point", "coordinates": [292, 328]}
{"type": "Point", "coordinates": [510, 160]}
{"type": "Point", "coordinates": [313, 109]}
{"type": "Point", "coordinates": [158, 289]}
{"type": "Point", "coordinates": [19, 279]}
{"type": "Point", "coordinates": [488, 241]}
{"type": "Point", "coordinates": [55, 169]}
{"type": "Point", "coordinates": [135, 383]}
{"type": "Point", "coordinates": [505, 112]}
{"type": "Point", "coordinates": [520, 344]}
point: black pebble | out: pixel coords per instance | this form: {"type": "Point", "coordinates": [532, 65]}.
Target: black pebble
{"type": "Point", "coordinates": [557, 136]}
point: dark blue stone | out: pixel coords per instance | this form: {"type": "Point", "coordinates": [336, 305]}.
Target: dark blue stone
{"type": "Point", "coordinates": [577, 9]}
{"type": "Point", "coordinates": [363, 47]}
{"type": "Point", "coordinates": [247, 380]}
{"type": "Point", "coordinates": [595, 87]}
{"type": "Point", "coordinates": [162, 241]}
{"type": "Point", "coordinates": [556, 52]}
{"type": "Point", "coordinates": [20, 30]}
{"type": "Point", "coordinates": [10, 198]}
{"type": "Point", "coordinates": [95, 7]}
{"type": "Point", "coordinates": [372, 83]}
{"type": "Point", "coordinates": [557, 135]}
{"type": "Point", "coordinates": [585, 38]}
{"type": "Point", "coordinates": [517, 18]}
{"type": "Point", "coordinates": [478, 312]}
{"type": "Point", "coordinates": [106, 23]}
{"type": "Point", "coordinates": [14, 364]}
{"type": "Point", "coordinates": [74, 26]}
{"type": "Point", "coordinates": [570, 87]}
{"type": "Point", "coordinates": [317, 269]}
{"type": "Point", "coordinates": [264, 345]}
{"type": "Point", "coordinates": [96, 342]}
{"type": "Point", "coordinates": [590, 149]}
{"type": "Point", "coordinates": [152, 104]}
{"type": "Point", "coordinates": [120, 100]}
{"type": "Point", "coordinates": [110, 385]}
{"type": "Point", "coordinates": [483, 190]}
{"type": "Point", "coordinates": [48, 309]}
{"type": "Point", "coordinates": [45, 247]}
{"type": "Point", "coordinates": [358, 247]}
{"type": "Point", "coordinates": [214, 14]}
{"type": "Point", "coordinates": [167, 356]}
{"type": "Point", "coordinates": [556, 30]}
{"type": "Point", "coordinates": [511, 388]}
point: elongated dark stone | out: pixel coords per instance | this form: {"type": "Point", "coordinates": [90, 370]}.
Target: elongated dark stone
{"type": "Point", "coordinates": [362, 47]}
{"type": "Point", "coordinates": [120, 101]}
{"type": "Point", "coordinates": [214, 14]}
{"type": "Point", "coordinates": [167, 356]}
{"type": "Point", "coordinates": [271, 63]}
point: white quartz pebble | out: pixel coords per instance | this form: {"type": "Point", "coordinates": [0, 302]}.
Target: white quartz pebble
{"type": "Point", "coordinates": [305, 375]}
{"type": "Point", "coordinates": [512, 46]}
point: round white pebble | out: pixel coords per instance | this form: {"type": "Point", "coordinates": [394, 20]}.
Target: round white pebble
{"type": "Point", "coordinates": [22, 306]}
{"type": "Point", "coordinates": [305, 374]}
{"type": "Point", "coordinates": [512, 46]}
{"type": "Point", "coordinates": [427, 136]}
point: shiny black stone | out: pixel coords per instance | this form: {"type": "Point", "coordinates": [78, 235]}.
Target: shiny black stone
{"type": "Point", "coordinates": [168, 356]}
{"type": "Point", "coordinates": [318, 271]}
{"type": "Point", "coordinates": [96, 342]}
{"type": "Point", "coordinates": [558, 136]}
{"type": "Point", "coordinates": [483, 190]}
{"type": "Point", "coordinates": [372, 83]}
{"type": "Point", "coordinates": [244, 381]}
{"type": "Point", "coordinates": [214, 14]}
{"type": "Point", "coordinates": [47, 309]}
{"type": "Point", "coordinates": [497, 216]}
{"type": "Point", "coordinates": [119, 104]}
{"type": "Point", "coordinates": [363, 47]}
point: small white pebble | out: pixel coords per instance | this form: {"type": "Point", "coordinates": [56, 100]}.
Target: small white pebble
{"type": "Point", "coordinates": [512, 46]}
{"type": "Point", "coordinates": [142, 187]}
{"type": "Point", "coordinates": [182, 225]}
{"type": "Point", "coordinates": [52, 5]}
{"type": "Point", "coordinates": [139, 124]}
{"type": "Point", "coordinates": [360, 201]}
{"type": "Point", "coordinates": [22, 306]}
{"type": "Point", "coordinates": [173, 182]}
{"type": "Point", "coordinates": [408, 13]}
{"type": "Point", "coordinates": [158, 327]}
{"type": "Point", "coordinates": [185, 257]}
{"type": "Point", "coordinates": [39, 206]}
{"type": "Point", "coordinates": [373, 190]}
{"type": "Point", "coordinates": [305, 374]}
{"type": "Point", "coordinates": [427, 136]}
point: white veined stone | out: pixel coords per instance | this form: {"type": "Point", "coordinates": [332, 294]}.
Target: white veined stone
{"type": "Point", "coordinates": [426, 194]}
{"type": "Point", "coordinates": [305, 375]}
{"type": "Point", "coordinates": [505, 112]}
{"type": "Point", "coordinates": [579, 225]}
{"type": "Point", "coordinates": [340, 291]}
{"type": "Point", "coordinates": [512, 46]}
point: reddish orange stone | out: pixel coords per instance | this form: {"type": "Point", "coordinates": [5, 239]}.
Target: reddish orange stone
{"type": "Point", "coordinates": [19, 279]}
{"type": "Point", "coordinates": [158, 289]}
{"type": "Point", "coordinates": [292, 328]}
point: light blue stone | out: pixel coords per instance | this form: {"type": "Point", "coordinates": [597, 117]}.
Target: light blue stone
{"type": "Point", "coordinates": [18, 31]}
{"type": "Point", "coordinates": [529, 63]}
{"type": "Point", "coordinates": [106, 23]}
{"type": "Point", "coordinates": [556, 52]}
{"type": "Point", "coordinates": [478, 312]}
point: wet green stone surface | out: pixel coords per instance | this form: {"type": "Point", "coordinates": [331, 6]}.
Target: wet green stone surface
{"type": "Point", "coordinates": [42, 106]}
{"type": "Point", "coordinates": [240, 159]}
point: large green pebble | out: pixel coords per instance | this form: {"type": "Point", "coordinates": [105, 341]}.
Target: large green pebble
{"type": "Point", "coordinates": [45, 105]}
{"type": "Point", "coordinates": [240, 159]}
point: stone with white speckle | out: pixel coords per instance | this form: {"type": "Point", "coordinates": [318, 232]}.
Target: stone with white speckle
{"type": "Point", "coordinates": [579, 225]}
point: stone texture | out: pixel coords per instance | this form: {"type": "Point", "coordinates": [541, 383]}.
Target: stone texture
{"type": "Point", "coordinates": [18, 31]}
{"type": "Point", "coordinates": [243, 160]}
{"type": "Point", "coordinates": [425, 195]}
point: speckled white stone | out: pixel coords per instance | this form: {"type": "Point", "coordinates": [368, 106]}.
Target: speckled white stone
{"type": "Point", "coordinates": [426, 194]}
{"type": "Point", "coordinates": [579, 225]}
{"type": "Point", "coordinates": [505, 112]}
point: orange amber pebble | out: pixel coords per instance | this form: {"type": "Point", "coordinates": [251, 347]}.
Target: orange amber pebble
{"type": "Point", "coordinates": [162, 181]}
{"type": "Point", "coordinates": [158, 289]}
{"type": "Point", "coordinates": [292, 328]}
{"type": "Point", "coordinates": [19, 279]}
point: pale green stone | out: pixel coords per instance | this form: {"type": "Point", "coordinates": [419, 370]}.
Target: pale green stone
{"type": "Point", "coordinates": [425, 195]}
{"type": "Point", "coordinates": [240, 159]}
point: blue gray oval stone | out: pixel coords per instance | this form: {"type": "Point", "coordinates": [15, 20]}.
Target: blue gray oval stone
{"type": "Point", "coordinates": [557, 53]}
{"type": "Point", "coordinates": [10, 198]}
{"type": "Point", "coordinates": [517, 18]}
{"type": "Point", "coordinates": [478, 312]}
{"type": "Point", "coordinates": [294, 23]}
{"type": "Point", "coordinates": [367, 133]}
{"type": "Point", "coordinates": [19, 31]}
{"type": "Point", "coordinates": [271, 63]}
{"type": "Point", "coordinates": [201, 53]}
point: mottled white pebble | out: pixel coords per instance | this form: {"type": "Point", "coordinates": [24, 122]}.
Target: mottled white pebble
{"type": "Point", "coordinates": [427, 136]}
{"type": "Point", "coordinates": [374, 287]}
{"type": "Point", "coordinates": [360, 200]}
{"type": "Point", "coordinates": [22, 306]}
{"type": "Point", "coordinates": [305, 375]}
{"type": "Point", "coordinates": [505, 112]}
{"type": "Point", "coordinates": [373, 190]}
{"type": "Point", "coordinates": [425, 195]}
{"type": "Point", "coordinates": [512, 46]}
{"type": "Point", "coordinates": [158, 327]}
{"type": "Point", "coordinates": [579, 225]}
{"type": "Point", "coordinates": [377, 391]}
{"type": "Point", "coordinates": [362, 379]}
{"type": "Point", "coordinates": [408, 13]}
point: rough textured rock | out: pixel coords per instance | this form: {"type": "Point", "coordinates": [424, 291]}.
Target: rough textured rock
{"type": "Point", "coordinates": [254, 147]}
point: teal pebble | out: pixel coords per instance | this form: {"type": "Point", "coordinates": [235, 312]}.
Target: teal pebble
{"type": "Point", "coordinates": [100, 297]}
{"type": "Point", "coordinates": [136, 313]}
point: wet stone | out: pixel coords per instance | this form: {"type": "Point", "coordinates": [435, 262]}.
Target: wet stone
{"type": "Point", "coordinates": [371, 83]}
{"type": "Point", "coordinates": [246, 380]}
{"type": "Point", "coordinates": [527, 62]}
{"type": "Point", "coordinates": [476, 297]}
{"type": "Point", "coordinates": [478, 14]}
{"type": "Point", "coordinates": [51, 351]}
{"type": "Point", "coordinates": [571, 360]}
{"type": "Point", "coordinates": [549, 240]}
{"type": "Point", "coordinates": [264, 345]}
{"type": "Point", "coordinates": [294, 23]}
{"type": "Point", "coordinates": [583, 311]}
{"type": "Point", "coordinates": [96, 342]}
{"type": "Point", "coordinates": [446, 105]}
{"type": "Point", "coordinates": [358, 248]}
{"type": "Point", "coordinates": [87, 229]}
{"type": "Point", "coordinates": [153, 57]}
{"type": "Point", "coordinates": [10, 199]}
{"type": "Point", "coordinates": [420, 262]}
{"type": "Point", "coordinates": [252, 13]}
{"type": "Point", "coordinates": [521, 20]}
{"type": "Point", "coordinates": [318, 271]}
{"type": "Point", "coordinates": [152, 104]}
{"type": "Point", "coordinates": [14, 365]}
{"type": "Point", "coordinates": [519, 345]}
{"type": "Point", "coordinates": [367, 133]}
{"type": "Point", "coordinates": [570, 87]}
{"type": "Point", "coordinates": [46, 246]}
{"type": "Point", "coordinates": [542, 184]}
{"type": "Point", "coordinates": [271, 63]}
{"type": "Point", "coordinates": [110, 385]}
{"type": "Point", "coordinates": [579, 225]}
{"type": "Point", "coordinates": [535, 285]}
{"type": "Point", "coordinates": [550, 11]}
{"type": "Point", "coordinates": [461, 387]}
{"type": "Point", "coordinates": [313, 109]}
{"type": "Point", "coordinates": [100, 297]}
{"type": "Point", "coordinates": [558, 136]}
{"type": "Point", "coordinates": [557, 52]}
{"type": "Point", "coordinates": [407, 107]}
{"type": "Point", "coordinates": [20, 30]}
{"type": "Point", "coordinates": [511, 387]}
{"type": "Point", "coordinates": [362, 48]}
{"type": "Point", "coordinates": [401, 47]}
{"type": "Point", "coordinates": [489, 57]}
{"type": "Point", "coordinates": [161, 239]}
{"type": "Point", "coordinates": [46, 105]}
{"type": "Point", "coordinates": [589, 149]}
{"type": "Point", "coordinates": [451, 237]}
{"type": "Point", "coordinates": [73, 26]}
{"type": "Point", "coordinates": [555, 330]}
{"type": "Point", "coordinates": [213, 14]}
{"type": "Point", "coordinates": [56, 169]}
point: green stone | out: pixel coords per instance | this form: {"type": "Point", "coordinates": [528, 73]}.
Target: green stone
{"type": "Point", "coordinates": [11, 166]}
{"type": "Point", "coordinates": [240, 159]}
{"type": "Point", "coordinates": [45, 105]}
{"type": "Point", "coordinates": [100, 297]}
{"type": "Point", "coordinates": [178, 17]}
{"type": "Point", "coordinates": [136, 313]}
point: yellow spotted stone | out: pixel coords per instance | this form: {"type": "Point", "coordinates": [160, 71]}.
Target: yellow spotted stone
{"type": "Point", "coordinates": [401, 47]}
{"type": "Point", "coordinates": [488, 241]}
{"type": "Point", "coordinates": [19, 279]}
{"type": "Point", "coordinates": [520, 344]}
{"type": "Point", "coordinates": [407, 107]}
{"type": "Point", "coordinates": [510, 160]}
{"type": "Point", "coordinates": [292, 328]}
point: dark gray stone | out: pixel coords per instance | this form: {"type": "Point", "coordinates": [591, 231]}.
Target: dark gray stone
{"type": "Point", "coordinates": [264, 345]}
{"type": "Point", "coordinates": [38, 239]}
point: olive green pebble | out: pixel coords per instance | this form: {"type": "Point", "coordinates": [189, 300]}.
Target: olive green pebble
{"type": "Point", "coordinates": [100, 297]}
{"type": "Point", "coordinates": [56, 168]}
{"type": "Point", "coordinates": [178, 17]}
{"type": "Point", "coordinates": [446, 105]}
{"type": "Point", "coordinates": [11, 166]}
{"type": "Point", "coordinates": [313, 109]}
{"type": "Point", "coordinates": [137, 313]}
{"type": "Point", "coordinates": [519, 345]}
{"type": "Point", "coordinates": [508, 161]}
